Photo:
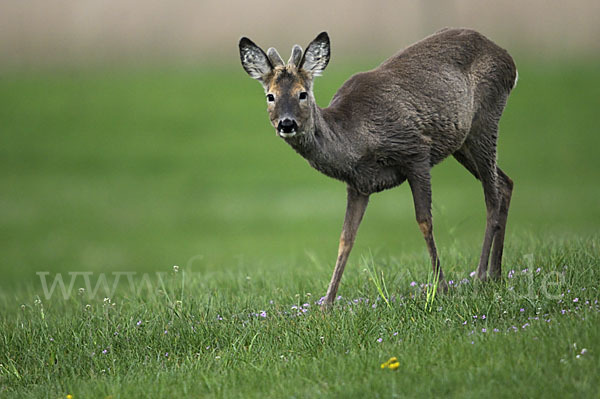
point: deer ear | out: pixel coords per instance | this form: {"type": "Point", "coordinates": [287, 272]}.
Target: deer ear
{"type": "Point", "coordinates": [254, 60]}
{"type": "Point", "coordinates": [317, 54]}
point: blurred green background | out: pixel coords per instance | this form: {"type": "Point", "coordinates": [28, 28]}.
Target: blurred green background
{"type": "Point", "coordinates": [125, 153]}
{"type": "Point", "coordinates": [142, 169]}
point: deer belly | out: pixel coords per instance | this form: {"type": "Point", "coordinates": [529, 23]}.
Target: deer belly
{"type": "Point", "coordinates": [374, 180]}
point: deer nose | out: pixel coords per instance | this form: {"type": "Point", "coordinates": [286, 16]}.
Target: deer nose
{"type": "Point", "coordinates": [287, 125]}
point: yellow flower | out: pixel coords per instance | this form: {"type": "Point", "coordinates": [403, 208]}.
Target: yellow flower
{"type": "Point", "coordinates": [391, 364]}
{"type": "Point", "coordinates": [69, 396]}
{"type": "Point", "coordinates": [394, 366]}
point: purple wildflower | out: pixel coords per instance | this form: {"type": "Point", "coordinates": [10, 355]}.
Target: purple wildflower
{"type": "Point", "coordinates": [139, 323]}
{"type": "Point", "coordinates": [576, 300]}
{"type": "Point", "coordinates": [472, 274]}
{"type": "Point", "coordinates": [262, 314]}
{"type": "Point", "coordinates": [105, 351]}
{"type": "Point", "coordinates": [521, 310]}
{"type": "Point", "coordinates": [483, 330]}
{"type": "Point", "coordinates": [396, 333]}
{"type": "Point", "coordinates": [413, 283]}
{"type": "Point", "coordinates": [380, 340]}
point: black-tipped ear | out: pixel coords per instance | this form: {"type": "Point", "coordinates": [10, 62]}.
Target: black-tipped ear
{"type": "Point", "coordinates": [254, 60]}
{"type": "Point", "coordinates": [317, 54]}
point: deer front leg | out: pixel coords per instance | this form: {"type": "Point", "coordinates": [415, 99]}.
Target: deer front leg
{"type": "Point", "coordinates": [421, 191]}
{"type": "Point", "coordinates": [355, 209]}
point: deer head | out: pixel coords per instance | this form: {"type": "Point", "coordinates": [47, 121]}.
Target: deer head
{"type": "Point", "coordinates": [288, 87]}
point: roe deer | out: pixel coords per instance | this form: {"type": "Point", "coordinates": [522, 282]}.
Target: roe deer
{"type": "Point", "coordinates": [441, 96]}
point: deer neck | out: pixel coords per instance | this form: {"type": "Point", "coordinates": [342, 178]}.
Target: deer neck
{"type": "Point", "coordinates": [324, 146]}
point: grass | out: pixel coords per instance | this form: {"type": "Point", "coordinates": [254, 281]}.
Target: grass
{"type": "Point", "coordinates": [123, 174]}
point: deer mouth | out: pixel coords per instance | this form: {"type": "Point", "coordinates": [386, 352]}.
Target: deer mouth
{"type": "Point", "coordinates": [286, 135]}
{"type": "Point", "coordinates": [287, 128]}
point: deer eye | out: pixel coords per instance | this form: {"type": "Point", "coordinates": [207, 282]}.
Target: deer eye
{"type": "Point", "coordinates": [270, 98]}
{"type": "Point", "coordinates": [303, 95]}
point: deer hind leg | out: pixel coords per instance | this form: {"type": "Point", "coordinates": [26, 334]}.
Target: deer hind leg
{"type": "Point", "coordinates": [420, 186]}
{"type": "Point", "coordinates": [479, 158]}
{"type": "Point", "coordinates": [506, 188]}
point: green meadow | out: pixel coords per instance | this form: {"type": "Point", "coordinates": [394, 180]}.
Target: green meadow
{"type": "Point", "coordinates": [111, 177]}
